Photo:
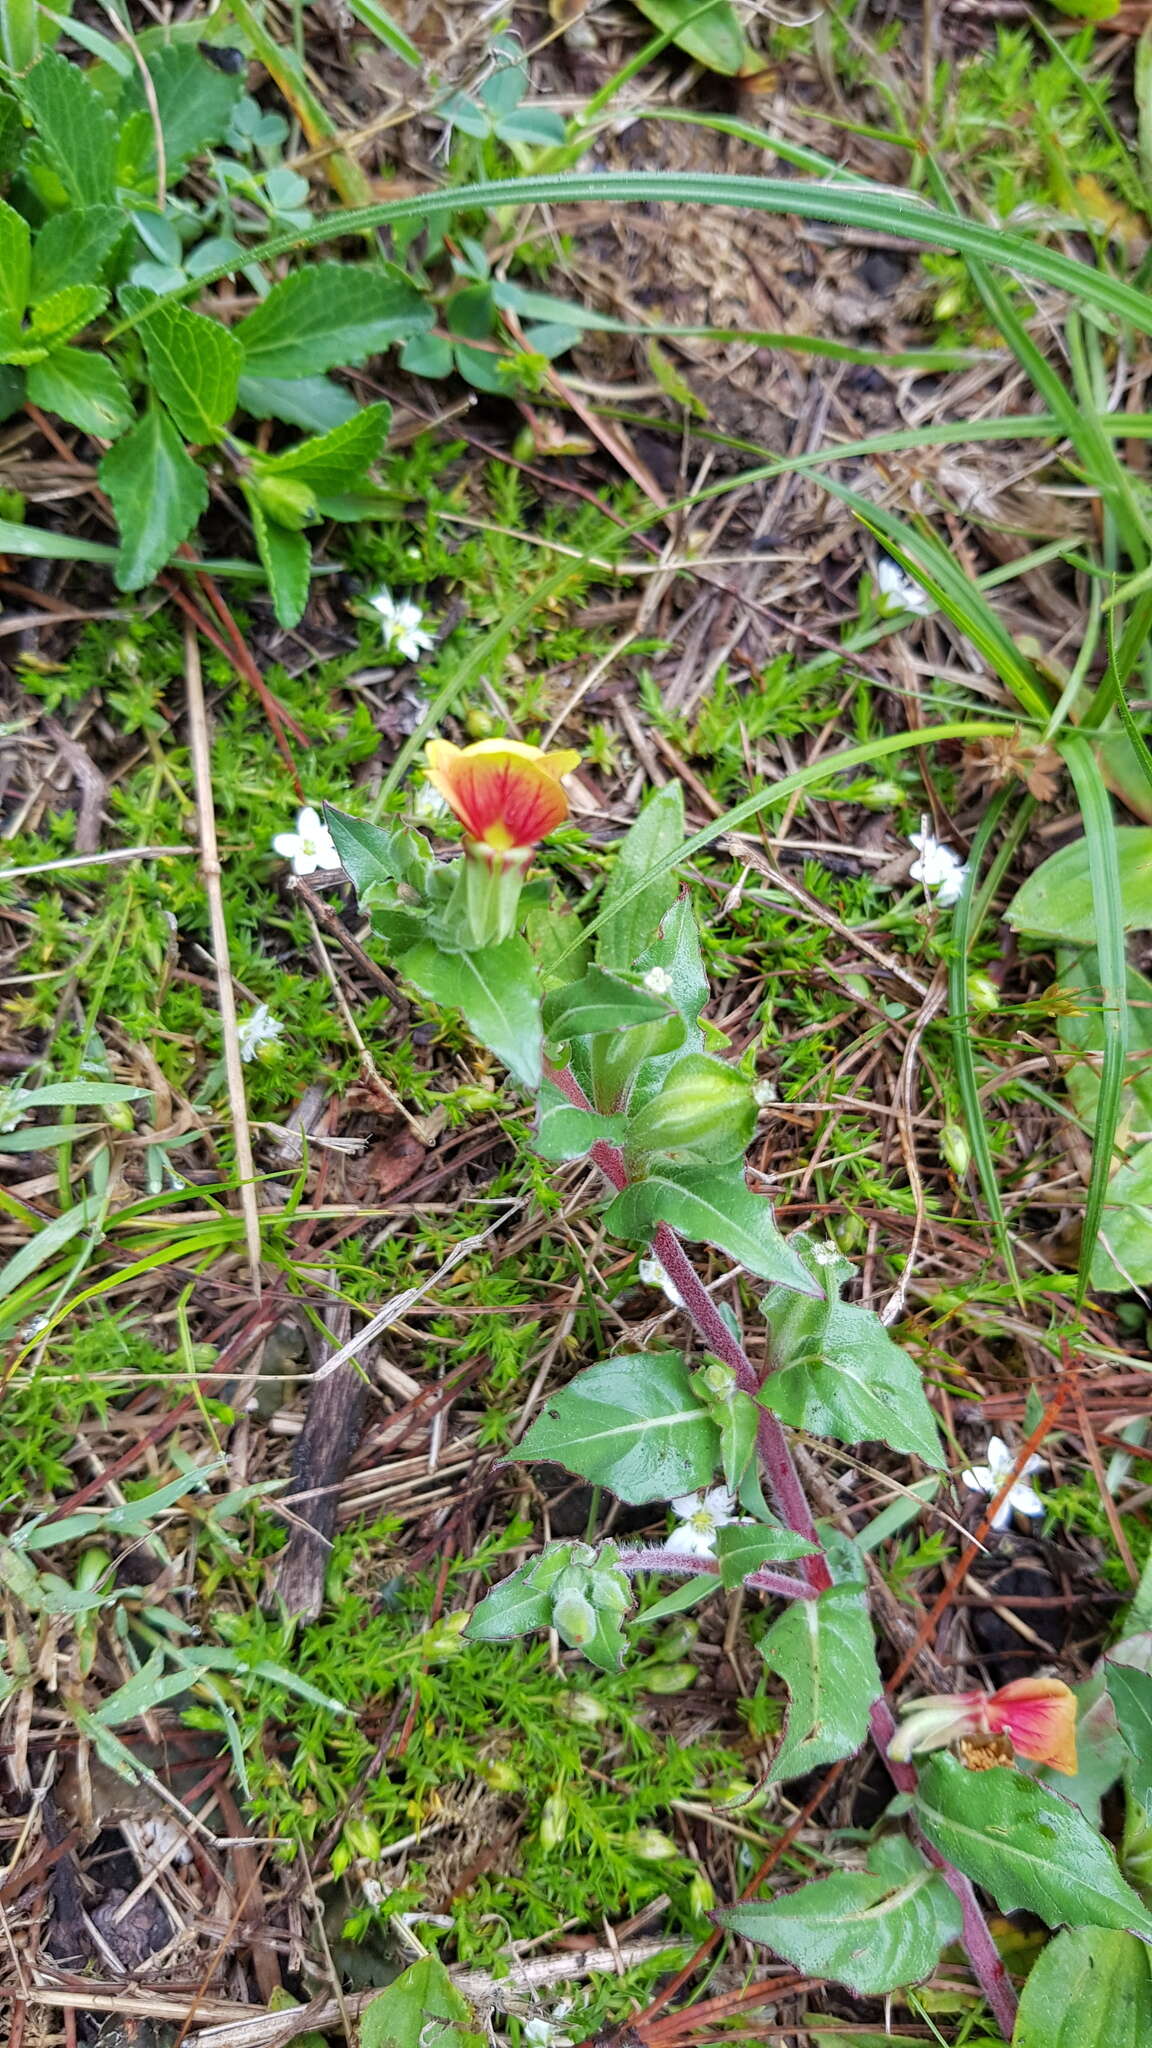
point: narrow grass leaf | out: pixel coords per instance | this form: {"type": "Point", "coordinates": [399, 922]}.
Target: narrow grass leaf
{"type": "Point", "coordinates": [1108, 907]}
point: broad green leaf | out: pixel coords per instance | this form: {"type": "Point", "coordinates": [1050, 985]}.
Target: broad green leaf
{"type": "Point", "coordinates": [64, 313]}
{"type": "Point", "coordinates": [421, 2009]}
{"type": "Point", "coordinates": [836, 1372]}
{"type": "Point", "coordinates": [629, 929]}
{"type": "Point", "coordinates": [824, 1651]}
{"type": "Point", "coordinates": [1080, 1023]}
{"type": "Point", "coordinates": [1089, 10]}
{"type": "Point", "coordinates": [15, 263]}
{"type": "Point", "coordinates": [1091, 1988]}
{"type": "Point", "coordinates": [495, 988]}
{"type": "Point", "coordinates": [716, 1208]}
{"type": "Point", "coordinates": [1027, 1846]}
{"type": "Point", "coordinates": [74, 126]}
{"type": "Point", "coordinates": [157, 494]}
{"type": "Point", "coordinates": [376, 856]}
{"type": "Point", "coordinates": [195, 99]}
{"type": "Point", "coordinates": [1056, 902]}
{"type": "Point", "coordinates": [742, 1547]}
{"type": "Point", "coordinates": [84, 389]}
{"type": "Point", "coordinates": [41, 544]}
{"type": "Point", "coordinates": [195, 365]}
{"type": "Point", "coordinates": [1122, 1255]}
{"type": "Point", "coordinates": [1130, 1689]}
{"type": "Point", "coordinates": [513, 1608]}
{"type": "Point", "coordinates": [314, 403]}
{"type": "Point", "coordinates": [633, 1424]}
{"type": "Point", "coordinates": [327, 316]}
{"type": "Point", "coordinates": [564, 1132]}
{"type": "Point", "coordinates": [287, 562]}
{"type": "Point", "coordinates": [872, 1930]}
{"type": "Point", "coordinates": [72, 248]}
{"type": "Point", "coordinates": [711, 33]}
{"type": "Point", "coordinates": [337, 459]}
{"type": "Point", "coordinates": [600, 1002]}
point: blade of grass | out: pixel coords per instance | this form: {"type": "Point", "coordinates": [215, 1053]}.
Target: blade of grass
{"type": "Point", "coordinates": [1108, 911]}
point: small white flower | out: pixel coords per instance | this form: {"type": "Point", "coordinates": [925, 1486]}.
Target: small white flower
{"type": "Point", "coordinates": [701, 1515]}
{"type": "Point", "coordinates": [427, 803]}
{"type": "Point", "coordinates": [937, 866]}
{"type": "Point", "coordinates": [310, 846]}
{"type": "Point", "coordinates": [658, 981]}
{"type": "Point", "coordinates": [400, 624]}
{"type": "Point", "coordinates": [652, 1274]}
{"type": "Point", "coordinates": [1023, 1499]}
{"type": "Point", "coordinates": [261, 1028]}
{"type": "Point", "coordinates": [896, 591]}
{"type": "Point", "coordinates": [765, 1093]}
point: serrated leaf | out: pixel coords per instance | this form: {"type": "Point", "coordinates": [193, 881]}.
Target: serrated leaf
{"type": "Point", "coordinates": [287, 562]}
{"type": "Point", "coordinates": [824, 1651]}
{"type": "Point", "coordinates": [1091, 1988]}
{"type": "Point", "coordinates": [495, 987]}
{"type": "Point", "coordinates": [633, 1424]}
{"type": "Point", "coordinates": [564, 1132]}
{"type": "Point", "coordinates": [1056, 902]}
{"type": "Point", "coordinates": [195, 101]}
{"type": "Point", "coordinates": [629, 926]}
{"type": "Point", "coordinates": [1026, 1846]}
{"type": "Point", "coordinates": [710, 1207]}
{"type": "Point", "coordinates": [600, 1002]}
{"type": "Point", "coordinates": [421, 2009]}
{"type": "Point", "coordinates": [72, 248]}
{"type": "Point", "coordinates": [337, 460]}
{"type": "Point", "coordinates": [64, 313]}
{"type": "Point", "coordinates": [84, 389]}
{"type": "Point", "coordinates": [15, 263]}
{"type": "Point", "coordinates": [742, 1547]}
{"type": "Point", "coordinates": [711, 33]}
{"type": "Point", "coordinates": [314, 403]}
{"type": "Point", "coordinates": [74, 127]}
{"type": "Point", "coordinates": [195, 366]}
{"type": "Point", "coordinates": [836, 1372]}
{"type": "Point", "coordinates": [513, 1608]}
{"type": "Point", "coordinates": [328, 316]}
{"type": "Point", "coordinates": [157, 494]}
{"type": "Point", "coordinates": [871, 1930]}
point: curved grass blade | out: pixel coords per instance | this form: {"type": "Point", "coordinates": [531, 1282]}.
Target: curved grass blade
{"type": "Point", "coordinates": [1104, 873]}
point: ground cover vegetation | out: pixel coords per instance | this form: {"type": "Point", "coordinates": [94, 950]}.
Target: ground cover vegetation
{"type": "Point", "coordinates": [576, 1168]}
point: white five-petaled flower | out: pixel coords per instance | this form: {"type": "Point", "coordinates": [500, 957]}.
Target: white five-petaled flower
{"type": "Point", "coordinates": [700, 1516]}
{"type": "Point", "coordinates": [310, 846]}
{"type": "Point", "coordinates": [989, 1478]}
{"type": "Point", "coordinates": [937, 866]}
{"type": "Point", "coordinates": [896, 591]}
{"type": "Point", "coordinates": [261, 1028]}
{"type": "Point", "coordinates": [401, 626]}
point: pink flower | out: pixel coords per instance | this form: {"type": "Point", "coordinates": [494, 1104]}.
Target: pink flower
{"type": "Point", "coordinates": [1038, 1716]}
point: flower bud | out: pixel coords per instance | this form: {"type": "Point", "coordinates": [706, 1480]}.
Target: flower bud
{"type": "Point", "coordinates": [983, 995]}
{"type": "Point", "coordinates": [648, 1845]}
{"type": "Point", "coordinates": [444, 1638]}
{"type": "Point", "coordinates": [574, 1618]}
{"type": "Point", "coordinates": [701, 1895]}
{"type": "Point", "coordinates": [610, 1592]}
{"type": "Point", "coordinates": [286, 499]}
{"type": "Point", "coordinates": [670, 1678]}
{"type": "Point", "coordinates": [553, 1821]}
{"type": "Point", "coordinates": [119, 1116]}
{"type": "Point", "coordinates": [361, 1838]}
{"type": "Point", "coordinates": [582, 1708]}
{"type": "Point", "coordinates": [705, 1112]}
{"type": "Point", "coordinates": [498, 1774]}
{"type": "Point", "coordinates": [956, 1149]}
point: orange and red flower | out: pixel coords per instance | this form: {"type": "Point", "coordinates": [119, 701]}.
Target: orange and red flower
{"type": "Point", "coordinates": [1038, 1715]}
{"type": "Point", "coordinates": [506, 795]}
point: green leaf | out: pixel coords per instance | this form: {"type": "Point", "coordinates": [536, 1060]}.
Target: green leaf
{"type": "Point", "coordinates": [564, 1132]}
{"type": "Point", "coordinates": [871, 1930]}
{"type": "Point", "coordinates": [74, 127]}
{"type": "Point", "coordinates": [195, 100]}
{"type": "Point", "coordinates": [711, 33]}
{"type": "Point", "coordinates": [15, 263]}
{"type": "Point", "coordinates": [86, 390]}
{"type": "Point", "coordinates": [71, 1094]}
{"type": "Point", "coordinates": [375, 17]}
{"type": "Point", "coordinates": [824, 1651]}
{"type": "Point", "coordinates": [376, 856]}
{"type": "Point", "coordinates": [64, 313]}
{"type": "Point", "coordinates": [495, 987]}
{"type": "Point", "coordinates": [1026, 1846]}
{"type": "Point", "coordinates": [1091, 1988]}
{"type": "Point", "coordinates": [633, 1424]}
{"type": "Point", "coordinates": [195, 367]}
{"type": "Point", "coordinates": [41, 544]}
{"type": "Point", "coordinates": [1081, 1027]}
{"type": "Point", "coordinates": [600, 1002]}
{"type": "Point", "coordinates": [50, 1239]}
{"type": "Point", "coordinates": [629, 927]}
{"type": "Point", "coordinates": [838, 1373]}
{"type": "Point", "coordinates": [515, 1607]}
{"type": "Point", "coordinates": [314, 403]}
{"type": "Point", "coordinates": [1056, 902]}
{"type": "Point", "coordinates": [11, 133]}
{"type": "Point", "coordinates": [703, 1114]}
{"type": "Point", "coordinates": [73, 247]}
{"type": "Point", "coordinates": [742, 1547]}
{"type": "Point", "coordinates": [157, 494]}
{"type": "Point", "coordinates": [421, 2009]}
{"type": "Point", "coordinates": [1130, 1689]}
{"type": "Point", "coordinates": [287, 561]}
{"type": "Point", "coordinates": [710, 1208]}
{"type": "Point", "coordinates": [1122, 1252]}
{"type": "Point", "coordinates": [337, 460]}
{"type": "Point", "coordinates": [330, 315]}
